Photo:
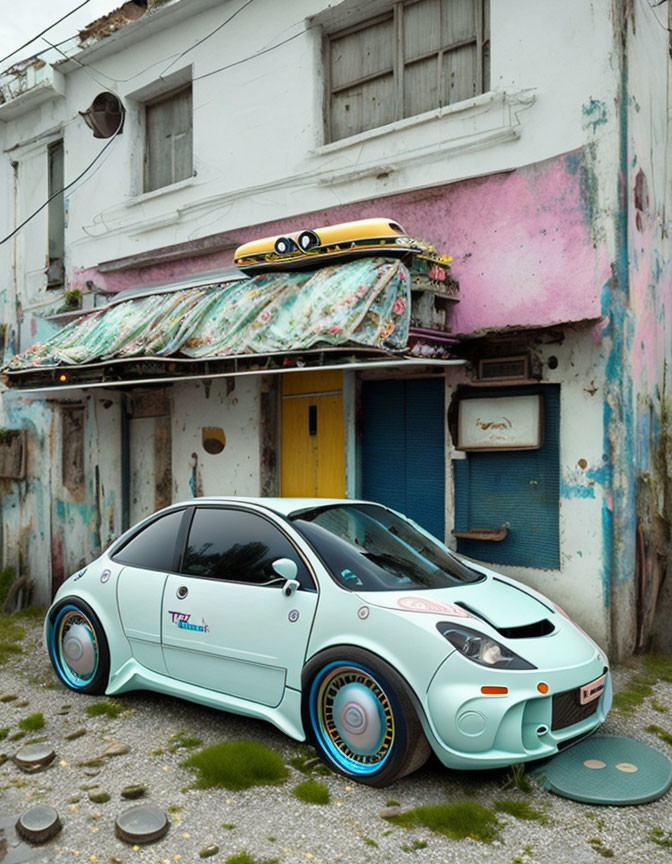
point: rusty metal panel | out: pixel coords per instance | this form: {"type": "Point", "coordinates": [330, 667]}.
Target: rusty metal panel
{"type": "Point", "coordinates": [149, 403]}
{"type": "Point", "coordinates": [72, 463]}
{"type": "Point", "coordinates": [13, 453]}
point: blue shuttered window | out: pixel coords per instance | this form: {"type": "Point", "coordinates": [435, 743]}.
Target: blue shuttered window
{"type": "Point", "coordinates": [403, 448]}
{"type": "Point", "coordinates": [521, 488]}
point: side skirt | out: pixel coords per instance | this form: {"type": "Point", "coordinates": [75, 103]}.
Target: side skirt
{"type": "Point", "coordinates": [286, 716]}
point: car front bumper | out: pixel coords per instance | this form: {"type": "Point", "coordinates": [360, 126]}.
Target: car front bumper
{"type": "Point", "coordinates": [470, 730]}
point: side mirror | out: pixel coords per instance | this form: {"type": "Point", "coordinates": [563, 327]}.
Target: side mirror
{"type": "Point", "coordinates": [287, 570]}
{"type": "Point", "coordinates": [290, 586]}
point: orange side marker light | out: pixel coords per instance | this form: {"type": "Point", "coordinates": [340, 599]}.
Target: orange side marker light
{"type": "Point", "coordinates": [542, 687]}
{"type": "Point", "coordinates": [494, 691]}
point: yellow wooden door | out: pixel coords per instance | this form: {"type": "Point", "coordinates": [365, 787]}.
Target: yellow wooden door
{"type": "Point", "coordinates": [313, 437]}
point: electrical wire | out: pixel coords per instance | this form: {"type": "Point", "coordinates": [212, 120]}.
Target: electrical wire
{"type": "Point", "coordinates": [206, 37]}
{"type": "Point", "coordinates": [83, 66]}
{"type": "Point", "coordinates": [66, 187]}
{"type": "Point", "coordinates": [46, 30]}
{"type": "Point", "coordinates": [252, 56]}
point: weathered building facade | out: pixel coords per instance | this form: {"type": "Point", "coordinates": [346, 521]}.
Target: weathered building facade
{"type": "Point", "coordinates": [529, 141]}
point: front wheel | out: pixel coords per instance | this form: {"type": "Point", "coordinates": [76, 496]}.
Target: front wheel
{"type": "Point", "coordinates": [360, 716]}
{"type": "Point", "coordinates": [78, 647]}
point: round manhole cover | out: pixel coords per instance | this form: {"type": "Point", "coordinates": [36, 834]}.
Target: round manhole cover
{"type": "Point", "coordinates": [142, 824]}
{"type": "Point", "coordinates": [38, 824]}
{"type": "Point", "coordinates": [607, 769]}
{"type": "Point", "coordinates": [35, 756]}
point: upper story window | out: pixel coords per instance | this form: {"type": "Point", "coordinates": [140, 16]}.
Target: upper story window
{"type": "Point", "coordinates": [420, 55]}
{"type": "Point", "coordinates": [55, 216]}
{"type": "Point", "coordinates": [168, 139]}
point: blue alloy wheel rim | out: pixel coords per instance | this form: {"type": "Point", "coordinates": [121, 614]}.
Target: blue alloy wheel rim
{"type": "Point", "coordinates": [73, 656]}
{"type": "Point", "coordinates": [352, 717]}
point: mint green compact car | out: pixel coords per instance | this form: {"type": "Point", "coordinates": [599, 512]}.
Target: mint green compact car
{"type": "Point", "coordinates": [341, 622]}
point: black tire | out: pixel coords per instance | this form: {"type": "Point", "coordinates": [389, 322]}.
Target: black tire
{"type": "Point", "coordinates": [359, 715]}
{"type": "Point", "coordinates": [77, 646]}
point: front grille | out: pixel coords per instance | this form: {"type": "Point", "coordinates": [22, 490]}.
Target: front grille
{"type": "Point", "coordinates": [568, 710]}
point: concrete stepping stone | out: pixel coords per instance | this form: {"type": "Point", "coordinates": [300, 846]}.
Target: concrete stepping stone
{"type": "Point", "coordinates": [142, 824]}
{"type": "Point", "coordinates": [35, 757]}
{"type": "Point", "coordinates": [39, 824]}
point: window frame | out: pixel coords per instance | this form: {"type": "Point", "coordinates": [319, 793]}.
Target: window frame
{"type": "Point", "coordinates": [395, 12]}
{"type": "Point", "coordinates": [180, 539]}
{"type": "Point", "coordinates": [153, 102]}
{"type": "Point", "coordinates": [315, 589]}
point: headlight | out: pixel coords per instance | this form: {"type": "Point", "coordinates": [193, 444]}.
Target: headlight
{"type": "Point", "coordinates": [481, 649]}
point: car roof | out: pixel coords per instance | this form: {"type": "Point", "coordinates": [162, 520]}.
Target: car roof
{"type": "Point", "coordinates": [284, 506]}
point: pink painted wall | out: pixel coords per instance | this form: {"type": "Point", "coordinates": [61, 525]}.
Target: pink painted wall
{"type": "Point", "coordinates": [522, 243]}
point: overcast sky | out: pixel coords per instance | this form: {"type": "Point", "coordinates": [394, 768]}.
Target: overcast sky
{"type": "Point", "coordinates": [29, 17]}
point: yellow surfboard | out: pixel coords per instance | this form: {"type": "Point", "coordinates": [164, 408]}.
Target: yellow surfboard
{"type": "Point", "coordinates": [313, 248]}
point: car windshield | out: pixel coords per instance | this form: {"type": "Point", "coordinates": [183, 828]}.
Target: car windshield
{"type": "Point", "coordinates": [368, 548]}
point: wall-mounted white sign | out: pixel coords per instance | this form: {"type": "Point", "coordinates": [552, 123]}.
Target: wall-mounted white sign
{"type": "Point", "coordinates": [500, 423]}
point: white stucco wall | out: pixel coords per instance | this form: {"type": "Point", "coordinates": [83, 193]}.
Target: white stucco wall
{"type": "Point", "coordinates": [259, 149]}
{"type": "Point", "coordinates": [234, 471]}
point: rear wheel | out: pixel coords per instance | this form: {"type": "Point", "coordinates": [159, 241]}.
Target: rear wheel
{"type": "Point", "coordinates": [360, 716]}
{"type": "Point", "coordinates": [78, 647]}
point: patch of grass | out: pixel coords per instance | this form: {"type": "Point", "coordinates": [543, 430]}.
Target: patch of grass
{"type": "Point", "coordinates": [30, 613]}
{"type": "Point", "coordinates": [661, 838]}
{"type": "Point", "coordinates": [309, 763]}
{"type": "Point", "coordinates": [312, 792]}
{"type": "Point", "coordinates": [459, 820]}
{"type": "Point", "coordinates": [655, 667]}
{"type": "Point", "coordinates": [229, 826]}
{"type": "Point", "coordinates": [182, 741]}
{"type": "Point", "coordinates": [174, 808]}
{"type": "Point", "coordinates": [17, 736]}
{"type": "Point", "coordinates": [32, 723]}
{"type": "Point", "coordinates": [520, 810]}
{"type": "Point", "coordinates": [10, 634]}
{"type": "Point", "coordinates": [598, 846]}
{"type": "Point", "coordinates": [4, 732]}
{"type": "Point", "coordinates": [658, 706]}
{"type": "Point", "coordinates": [107, 709]}
{"type": "Point", "coordinates": [598, 822]}
{"type": "Point", "coordinates": [660, 666]}
{"type": "Point", "coordinates": [415, 845]}
{"type": "Point", "coordinates": [237, 765]}
{"type": "Point", "coordinates": [99, 797]}
{"type": "Point", "coordinates": [392, 802]}
{"type": "Point", "coordinates": [517, 777]}
{"type": "Point", "coordinates": [663, 734]}
{"type": "Point", "coordinates": [370, 842]}
{"type": "Point", "coordinates": [246, 858]}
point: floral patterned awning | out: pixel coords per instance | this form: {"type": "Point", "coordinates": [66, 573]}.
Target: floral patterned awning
{"type": "Point", "coordinates": [362, 303]}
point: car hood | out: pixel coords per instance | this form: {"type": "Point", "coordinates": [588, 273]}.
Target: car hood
{"type": "Point", "coordinates": [492, 600]}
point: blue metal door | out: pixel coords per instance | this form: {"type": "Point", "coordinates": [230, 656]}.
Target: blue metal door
{"type": "Point", "coordinates": [519, 489]}
{"type": "Point", "coordinates": [403, 448]}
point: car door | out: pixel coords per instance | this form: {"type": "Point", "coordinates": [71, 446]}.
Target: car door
{"type": "Point", "coordinates": [226, 625]}
{"type": "Point", "coordinates": [148, 557]}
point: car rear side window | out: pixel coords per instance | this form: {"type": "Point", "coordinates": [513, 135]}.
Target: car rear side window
{"type": "Point", "coordinates": [237, 546]}
{"type": "Point", "coordinates": [153, 548]}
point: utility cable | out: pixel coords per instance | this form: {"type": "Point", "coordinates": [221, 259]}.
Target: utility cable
{"type": "Point", "coordinates": [66, 187]}
{"type": "Point", "coordinates": [207, 36]}
{"type": "Point", "coordinates": [46, 30]}
{"type": "Point", "coordinates": [252, 56]}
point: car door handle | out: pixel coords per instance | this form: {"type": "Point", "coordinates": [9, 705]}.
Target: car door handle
{"type": "Point", "coordinates": [182, 592]}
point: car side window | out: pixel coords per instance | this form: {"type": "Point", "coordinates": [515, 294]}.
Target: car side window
{"type": "Point", "coordinates": [153, 548]}
{"type": "Point", "coordinates": [238, 546]}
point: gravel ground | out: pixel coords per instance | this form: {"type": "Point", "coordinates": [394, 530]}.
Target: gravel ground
{"type": "Point", "coordinates": [269, 822]}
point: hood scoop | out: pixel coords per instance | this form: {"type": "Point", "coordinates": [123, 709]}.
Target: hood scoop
{"type": "Point", "coordinates": [525, 631]}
